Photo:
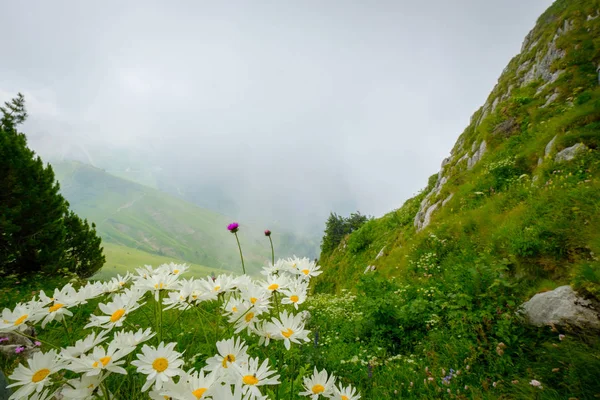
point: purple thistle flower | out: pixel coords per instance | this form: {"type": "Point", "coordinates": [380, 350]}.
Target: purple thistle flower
{"type": "Point", "coordinates": [267, 232]}
{"type": "Point", "coordinates": [233, 227]}
{"type": "Point", "coordinates": [4, 339]}
{"type": "Point", "coordinates": [37, 343]}
{"type": "Point", "coordinates": [19, 349]}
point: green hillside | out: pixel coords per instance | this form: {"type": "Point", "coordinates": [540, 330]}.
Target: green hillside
{"type": "Point", "coordinates": [514, 211]}
{"type": "Point", "coordinates": [511, 203]}
{"type": "Point", "coordinates": [134, 218]}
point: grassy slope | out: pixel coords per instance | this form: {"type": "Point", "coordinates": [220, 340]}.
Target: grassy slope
{"type": "Point", "coordinates": [447, 296]}
{"type": "Point", "coordinates": [120, 259]}
{"type": "Point", "coordinates": [141, 218]}
{"type": "Point", "coordinates": [540, 220]}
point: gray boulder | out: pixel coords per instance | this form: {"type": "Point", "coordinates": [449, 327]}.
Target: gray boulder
{"type": "Point", "coordinates": [561, 307]}
{"type": "Point", "coordinates": [570, 152]}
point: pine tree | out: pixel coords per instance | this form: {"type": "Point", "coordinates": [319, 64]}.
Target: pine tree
{"type": "Point", "coordinates": [37, 231]}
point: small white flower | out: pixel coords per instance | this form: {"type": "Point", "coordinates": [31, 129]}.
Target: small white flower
{"type": "Point", "coordinates": [252, 376]}
{"type": "Point", "coordinates": [132, 339]}
{"type": "Point", "coordinates": [319, 384]}
{"type": "Point", "coordinates": [115, 311]}
{"type": "Point", "coordinates": [191, 386]}
{"type": "Point", "coordinates": [82, 346]}
{"type": "Point", "coordinates": [101, 360]}
{"type": "Point", "coordinates": [295, 294]}
{"type": "Point", "coordinates": [82, 388]}
{"type": "Point", "coordinates": [290, 328]}
{"type": "Point", "coordinates": [346, 393]}
{"type": "Point", "coordinates": [36, 375]}
{"type": "Point", "coordinates": [230, 351]}
{"type": "Point", "coordinates": [160, 364]}
{"type": "Point", "coordinates": [17, 318]}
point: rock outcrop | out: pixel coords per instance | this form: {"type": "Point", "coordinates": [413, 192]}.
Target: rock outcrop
{"type": "Point", "coordinates": [570, 152]}
{"type": "Point", "coordinates": [561, 307]}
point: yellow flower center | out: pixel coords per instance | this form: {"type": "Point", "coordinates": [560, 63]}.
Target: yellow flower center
{"type": "Point", "coordinates": [345, 397]}
{"type": "Point", "coordinates": [160, 364]}
{"type": "Point", "coordinates": [199, 392]}
{"type": "Point", "coordinates": [287, 333]}
{"type": "Point", "coordinates": [234, 309]}
{"type": "Point", "coordinates": [305, 271]}
{"type": "Point", "coordinates": [253, 300]}
{"type": "Point", "coordinates": [159, 286]}
{"type": "Point", "coordinates": [249, 316]}
{"type": "Point", "coordinates": [294, 298]}
{"type": "Point", "coordinates": [227, 359]}
{"type": "Point", "coordinates": [294, 266]}
{"type": "Point", "coordinates": [217, 288]}
{"type": "Point", "coordinates": [105, 360]}
{"type": "Point", "coordinates": [20, 320]}
{"type": "Point", "coordinates": [273, 286]}
{"type": "Point", "coordinates": [55, 307]}
{"type": "Point", "coordinates": [175, 271]}
{"type": "Point", "coordinates": [40, 375]}
{"type": "Point", "coordinates": [117, 315]}
{"type": "Point", "coordinates": [318, 389]}
{"type": "Point", "coordinates": [250, 380]}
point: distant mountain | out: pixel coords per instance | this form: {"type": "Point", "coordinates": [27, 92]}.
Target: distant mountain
{"type": "Point", "coordinates": [132, 216]}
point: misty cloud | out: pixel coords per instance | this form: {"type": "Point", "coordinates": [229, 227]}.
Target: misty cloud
{"type": "Point", "coordinates": [276, 110]}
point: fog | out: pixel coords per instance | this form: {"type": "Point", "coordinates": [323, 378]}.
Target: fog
{"type": "Point", "coordinates": [278, 111]}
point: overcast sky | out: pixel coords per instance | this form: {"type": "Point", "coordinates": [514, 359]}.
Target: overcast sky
{"type": "Point", "coordinates": [297, 106]}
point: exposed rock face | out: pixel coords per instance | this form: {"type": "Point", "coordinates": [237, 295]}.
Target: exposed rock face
{"type": "Point", "coordinates": [15, 341]}
{"type": "Point", "coordinates": [541, 68]}
{"type": "Point", "coordinates": [551, 99]}
{"type": "Point", "coordinates": [570, 152]}
{"type": "Point", "coordinates": [447, 199]}
{"type": "Point", "coordinates": [549, 146]}
{"type": "Point", "coordinates": [561, 307]}
{"type": "Point", "coordinates": [380, 254]}
{"type": "Point", "coordinates": [423, 217]}
{"type": "Point", "coordinates": [505, 128]}
{"type": "Point", "coordinates": [477, 155]}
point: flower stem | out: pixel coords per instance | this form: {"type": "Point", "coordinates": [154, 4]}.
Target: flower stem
{"type": "Point", "coordinates": [67, 330]}
{"type": "Point", "coordinates": [241, 256]}
{"type": "Point", "coordinates": [272, 252]}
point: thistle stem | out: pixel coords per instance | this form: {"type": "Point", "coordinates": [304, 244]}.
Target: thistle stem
{"type": "Point", "coordinates": [241, 256]}
{"type": "Point", "coordinates": [272, 252]}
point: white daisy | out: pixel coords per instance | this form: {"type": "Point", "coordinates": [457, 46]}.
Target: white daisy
{"type": "Point", "coordinates": [295, 294]}
{"type": "Point", "coordinates": [132, 339]}
{"type": "Point", "coordinates": [56, 307]}
{"type": "Point", "coordinates": [230, 351]}
{"type": "Point", "coordinates": [115, 311]}
{"type": "Point", "coordinates": [173, 269]}
{"type": "Point", "coordinates": [160, 364]}
{"type": "Point", "coordinates": [265, 332]}
{"type": "Point", "coordinates": [17, 318]}
{"type": "Point", "coordinates": [345, 393]}
{"type": "Point", "coordinates": [82, 387]}
{"type": "Point", "coordinates": [252, 376]}
{"type": "Point", "coordinates": [117, 283]}
{"type": "Point", "coordinates": [245, 317]}
{"type": "Point", "coordinates": [82, 346]}
{"type": "Point", "coordinates": [290, 328]}
{"type": "Point", "coordinates": [191, 386]}
{"type": "Point", "coordinates": [158, 282]}
{"type": "Point", "coordinates": [101, 360]}
{"type": "Point", "coordinates": [318, 385]}
{"type": "Point", "coordinates": [276, 283]}
{"type": "Point", "coordinates": [36, 375]}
